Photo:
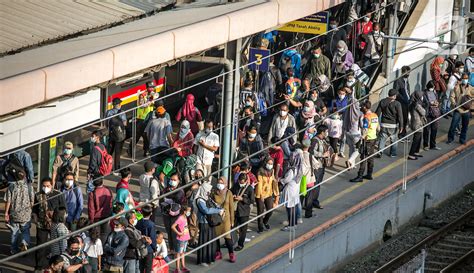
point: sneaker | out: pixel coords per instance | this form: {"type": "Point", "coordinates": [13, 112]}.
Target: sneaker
{"type": "Point", "coordinates": [285, 223]}
{"type": "Point", "coordinates": [392, 156]}
{"type": "Point", "coordinates": [247, 240]}
{"type": "Point", "coordinates": [267, 226]}
{"type": "Point", "coordinates": [218, 256]}
{"type": "Point", "coordinates": [436, 148]}
{"type": "Point", "coordinates": [232, 258]}
{"type": "Point", "coordinates": [23, 247]}
{"type": "Point", "coordinates": [238, 248]}
{"type": "Point", "coordinates": [116, 174]}
{"type": "Point", "coordinates": [184, 269]}
{"type": "Point", "coordinates": [426, 148]}
{"type": "Point", "coordinates": [357, 179]}
{"type": "Point", "coordinates": [418, 155]}
{"type": "Point", "coordinates": [288, 228]}
{"type": "Point", "coordinates": [204, 264]}
{"type": "Point", "coordinates": [300, 221]}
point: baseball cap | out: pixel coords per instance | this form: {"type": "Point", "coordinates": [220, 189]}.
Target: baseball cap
{"type": "Point", "coordinates": [121, 221]}
{"type": "Point", "coordinates": [68, 145]}
{"type": "Point", "coordinates": [149, 166]}
{"type": "Point", "coordinates": [116, 101]}
{"type": "Point", "coordinates": [392, 92]}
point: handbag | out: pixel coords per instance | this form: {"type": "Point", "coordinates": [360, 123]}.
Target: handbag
{"type": "Point", "coordinates": [159, 266]}
{"type": "Point", "coordinates": [215, 219]}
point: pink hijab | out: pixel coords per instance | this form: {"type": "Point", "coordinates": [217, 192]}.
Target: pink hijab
{"type": "Point", "coordinates": [311, 111]}
{"type": "Point", "coordinates": [189, 110]}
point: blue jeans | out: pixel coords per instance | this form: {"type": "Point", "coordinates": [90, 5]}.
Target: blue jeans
{"type": "Point", "coordinates": [389, 134]}
{"type": "Point", "coordinates": [464, 119]}
{"type": "Point", "coordinates": [445, 103]}
{"type": "Point", "coordinates": [131, 266]}
{"type": "Point", "coordinates": [20, 235]}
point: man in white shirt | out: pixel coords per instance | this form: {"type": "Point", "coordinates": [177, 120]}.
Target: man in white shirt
{"type": "Point", "coordinates": [206, 144]}
{"type": "Point", "coordinates": [280, 123]}
{"type": "Point", "coordinates": [454, 80]}
{"type": "Point", "coordinates": [149, 188]}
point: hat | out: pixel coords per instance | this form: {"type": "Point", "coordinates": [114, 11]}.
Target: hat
{"type": "Point", "coordinates": [392, 92]}
{"type": "Point", "coordinates": [158, 103]}
{"type": "Point", "coordinates": [116, 101]}
{"type": "Point", "coordinates": [161, 110]}
{"type": "Point", "coordinates": [306, 142]}
{"type": "Point", "coordinates": [68, 145]}
{"type": "Point", "coordinates": [121, 221]}
{"type": "Point", "coordinates": [150, 85]}
{"type": "Point", "coordinates": [149, 166]}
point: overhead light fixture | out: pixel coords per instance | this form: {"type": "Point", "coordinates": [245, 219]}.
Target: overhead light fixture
{"type": "Point", "coordinates": [139, 76]}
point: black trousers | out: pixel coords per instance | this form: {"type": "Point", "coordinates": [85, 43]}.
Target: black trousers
{"type": "Point", "coordinates": [334, 143]}
{"type": "Point", "coordinates": [367, 149]}
{"type": "Point", "coordinates": [140, 134]}
{"type": "Point", "coordinates": [228, 243]}
{"type": "Point", "coordinates": [41, 255]}
{"type": "Point", "coordinates": [429, 134]}
{"type": "Point", "coordinates": [416, 143]}
{"type": "Point", "coordinates": [115, 148]}
{"type": "Point", "coordinates": [266, 204]}
{"type": "Point", "coordinates": [104, 230]}
{"type": "Point", "coordinates": [307, 201]}
{"type": "Point", "coordinates": [168, 222]}
{"type": "Point", "coordinates": [319, 178]}
{"type": "Point", "coordinates": [405, 120]}
{"type": "Point", "coordinates": [243, 229]}
{"type": "Point", "coordinates": [146, 263]}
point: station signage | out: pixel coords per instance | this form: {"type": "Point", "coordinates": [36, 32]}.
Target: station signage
{"type": "Point", "coordinates": [258, 59]}
{"type": "Point", "coordinates": [314, 24]}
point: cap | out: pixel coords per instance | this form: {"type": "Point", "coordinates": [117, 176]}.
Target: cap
{"type": "Point", "coordinates": [392, 92]}
{"type": "Point", "coordinates": [150, 84]}
{"type": "Point", "coordinates": [158, 103]}
{"type": "Point", "coordinates": [121, 221]}
{"type": "Point", "coordinates": [116, 101]}
{"type": "Point", "coordinates": [68, 145]}
{"type": "Point", "coordinates": [149, 166]}
{"type": "Point", "coordinates": [161, 110]}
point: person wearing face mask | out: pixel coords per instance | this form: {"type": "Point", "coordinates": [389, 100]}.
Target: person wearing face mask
{"type": "Point", "coordinates": [431, 105]}
{"type": "Point", "coordinates": [249, 119]}
{"type": "Point", "coordinates": [245, 92]}
{"type": "Point", "coordinates": [318, 65]}
{"type": "Point", "coordinates": [293, 83]}
{"type": "Point", "coordinates": [334, 124]}
{"type": "Point", "coordinates": [291, 59]}
{"type": "Point", "coordinates": [437, 75]}
{"type": "Point", "coordinates": [267, 193]}
{"type": "Point", "coordinates": [363, 28]}
{"type": "Point", "coordinates": [115, 247]}
{"type": "Point", "coordinates": [390, 114]}
{"type": "Point", "coordinates": [74, 201]}
{"type": "Point", "coordinates": [46, 202]}
{"type": "Point", "coordinates": [318, 149]}
{"type": "Point", "coordinates": [117, 134]}
{"type": "Point", "coordinates": [137, 243]}
{"type": "Point", "coordinates": [159, 132]}
{"type": "Point", "coordinates": [251, 144]}
{"type": "Point", "coordinates": [308, 114]}
{"type": "Point", "coordinates": [72, 263]}
{"type": "Point", "coordinates": [149, 187]}
{"type": "Point", "coordinates": [190, 113]}
{"type": "Point", "coordinates": [449, 65]}
{"type": "Point", "coordinates": [373, 49]}
{"type": "Point", "coordinates": [64, 163]}
{"type": "Point", "coordinates": [417, 121]}
{"type": "Point", "coordinates": [224, 198]}
{"type": "Point", "coordinates": [99, 206]}
{"type": "Point", "coordinates": [454, 80]}
{"type": "Point", "coordinates": [341, 102]}
{"type": "Point", "coordinates": [244, 197]}
{"type": "Point", "coordinates": [291, 188]}
{"type": "Point", "coordinates": [276, 152]}
{"type": "Point", "coordinates": [462, 93]}
{"type": "Point", "coordinates": [333, 36]}
{"type": "Point", "coordinates": [184, 140]}
{"type": "Point", "coordinates": [469, 62]}
{"type": "Point", "coordinates": [206, 144]}
{"type": "Point", "coordinates": [371, 127]}
{"type": "Point", "coordinates": [342, 60]}
{"type": "Point", "coordinates": [205, 254]}
{"type": "Point", "coordinates": [281, 122]}
{"type": "Point", "coordinates": [123, 193]}
{"type": "Point", "coordinates": [402, 86]}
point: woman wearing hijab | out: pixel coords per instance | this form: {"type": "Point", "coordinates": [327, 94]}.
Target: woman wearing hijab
{"type": "Point", "coordinates": [265, 190]}
{"type": "Point", "coordinates": [433, 112]}
{"type": "Point", "coordinates": [418, 119]}
{"type": "Point", "coordinates": [291, 188]}
{"type": "Point", "coordinates": [184, 140]}
{"type": "Point", "coordinates": [307, 114]}
{"type": "Point", "coordinates": [206, 254]}
{"type": "Point", "coordinates": [287, 145]}
{"type": "Point", "coordinates": [437, 77]}
{"type": "Point", "coordinates": [343, 61]}
{"type": "Point", "coordinates": [190, 113]}
{"type": "Point", "coordinates": [224, 198]}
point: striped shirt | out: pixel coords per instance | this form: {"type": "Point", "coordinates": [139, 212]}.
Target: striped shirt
{"type": "Point", "coordinates": [58, 230]}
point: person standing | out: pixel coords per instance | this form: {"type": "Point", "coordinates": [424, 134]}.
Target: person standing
{"type": "Point", "coordinates": [117, 134]}
{"type": "Point", "coordinates": [180, 227]}
{"type": "Point", "coordinates": [280, 123]}
{"type": "Point", "coordinates": [149, 187]}
{"type": "Point", "coordinates": [47, 200]}
{"type": "Point", "coordinates": [65, 163]}
{"type": "Point", "coordinates": [342, 62]}
{"type": "Point", "coordinates": [115, 247]}
{"type": "Point", "coordinates": [418, 120]}
{"type": "Point", "coordinates": [251, 144]}
{"type": "Point", "coordinates": [373, 49]}
{"type": "Point", "coordinates": [123, 193]}
{"type": "Point", "coordinates": [318, 65]}
{"type": "Point", "coordinates": [431, 105]}
{"type": "Point", "coordinates": [319, 149]}
{"type": "Point", "coordinates": [437, 76]}
{"type": "Point", "coordinates": [245, 197]}
{"type": "Point", "coordinates": [224, 198]}
{"type": "Point", "coordinates": [205, 254]}
{"type": "Point", "coordinates": [291, 188]}
{"type": "Point", "coordinates": [95, 159]}
{"type": "Point", "coordinates": [371, 127]}
{"type": "Point", "coordinates": [159, 132]}
{"type": "Point", "coordinates": [184, 140]}
{"type": "Point", "coordinates": [99, 207]}
{"type": "Point", "coordinates": [19, 199]}
{"type": "Point", "coordinates": [265, 190]}
{"type": "Point", "coordinates": [390, 114]}
{"type": "Point", "coordinates": [136, 243]}
{"type": "Point", "coordinates": [74, 201]}
{"type": "Point", "coordinates": [352, 127]}
{"type": "Point", "coordinates": [206, 144]}
{"type": "Point", "coordinates": [402, 86]}
{"type": "Point", "coordinates": [145, 106]}
{"type": "Point", "coordinates": [335, 35]}
{"type": "Point", "coordinates": [461, 94]}
{"type": "Point", "coordinates": [190, 113]}
{"type": "Point", "coordinates": [309, 169]}
{"type": "Point", "coordinates": [454, 80]}
{"type": "Point", "coordinates": [59, 229]}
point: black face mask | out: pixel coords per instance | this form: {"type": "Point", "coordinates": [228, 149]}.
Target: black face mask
{"type": "Point", "coordinates": [74, 252]}
{"type": "Point", "coordinates": [406, 76]}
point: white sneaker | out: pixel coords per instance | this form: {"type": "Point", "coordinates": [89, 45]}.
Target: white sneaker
{"type": "Point", "coordinates": [285, 223]}
{"type": "Point", "coordinates": [300, 221]}
{"type": "Point", "coordinates": [116, 174]}
{"type": "Point", "coordinates": [247, 240]}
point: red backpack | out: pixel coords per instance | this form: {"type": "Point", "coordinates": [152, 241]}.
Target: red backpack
{"type": "Point", "coordinates": [106, 163]}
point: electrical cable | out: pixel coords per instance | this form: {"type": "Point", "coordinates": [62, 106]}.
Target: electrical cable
{"type": "Point", "coordinates": [185, 186]}
{"type": "Point", "coordinates": [189, 87]}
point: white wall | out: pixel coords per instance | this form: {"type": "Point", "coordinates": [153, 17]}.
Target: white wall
{"type": "Point", "coordinates": [44, 122]}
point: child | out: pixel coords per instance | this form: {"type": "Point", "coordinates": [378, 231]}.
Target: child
{"type": "Point", "coordinates": [93, 249]}
{"type": "Point", "coordinates": [161, 248]}
{"type": "Point", "coordinates": [180, 227]}
{"type": "Point", "coordinates": [334, 124]}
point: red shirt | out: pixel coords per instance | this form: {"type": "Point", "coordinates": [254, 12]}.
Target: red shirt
{"type": "Point", "coordinates": [277, 155]}
{"type": "Point", "coordinates": [100, 204]}
{"type": "Point", "coordinates": [186, 144]}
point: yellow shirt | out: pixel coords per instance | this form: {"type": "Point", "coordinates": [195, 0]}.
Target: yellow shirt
{"type": "Point", "coordinates": [143, 111]}
{"type": "Point", "coordinates": [266, 186]}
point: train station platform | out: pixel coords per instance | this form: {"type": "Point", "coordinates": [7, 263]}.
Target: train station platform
{"type": "Point", "coordinates": [337, 196]}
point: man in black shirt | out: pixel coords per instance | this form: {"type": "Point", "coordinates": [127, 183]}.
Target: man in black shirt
{"type": "Point", "coordinates": [391, 117]}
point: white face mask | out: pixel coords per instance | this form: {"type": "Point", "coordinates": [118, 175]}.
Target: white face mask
{"type": "Point", "coordinates": [461, 69]}
{"type": "Point", "coordinates": [242, 185]}
{"type": "Point", "coordinates": [117, 229]}
{"type": "Point", "coordinates": [306, 109]}
{"type": "Point", "coordinates": [252, 136]}
{"type": "Point", "coordinates": [173, 183]}
{"type": "Point", "coordinates": [207, 131]}
{"type": "Point", "coordinates": [269, 167]}
{"type": "Point", "coordinates": [366, 19]}
{"type": "Point", "coordinates": [431, 89]}
{"type": "Point", "coordinates": [316, 55]}
{"type": "Point", "coordinates": [67, 151]}
{"type": "Point", "coordinates": [188, 213]}
{"type": "Point", "coordinates": [135, 221]}
{"type": "Point", "coordinates": [464, 81]}
{"type": "Point", "coordinates": [46, 190]}
{"type": "Point", "coordinates": [220, 186]}
{"type": "Point", "coordinates": [283, 113]}
{"type": "Point", "coordinates": [350, 82]}
{"type": "Point", "coordinates": [69, 183]}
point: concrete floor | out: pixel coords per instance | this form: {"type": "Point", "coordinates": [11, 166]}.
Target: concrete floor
{"type": "Point", "coordinates": [337, 195]}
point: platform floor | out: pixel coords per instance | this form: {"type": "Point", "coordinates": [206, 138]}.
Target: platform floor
{"type": "Point", "coordinates": [337, 195]}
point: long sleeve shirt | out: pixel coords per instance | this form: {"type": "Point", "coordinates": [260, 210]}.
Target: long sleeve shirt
{"type": "Point", "coordinates": [95, 159]}
{"type": "Point", "coordinates": [266, 186]}
{"type": "Point", "coordinates": [99, 204]}
{"type": "Point", "coordinates": [147, 228]}
{"type": "Point", "coordinates": [74, 203]}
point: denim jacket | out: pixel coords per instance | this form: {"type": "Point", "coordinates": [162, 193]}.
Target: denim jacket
{"type": "Point", "coordinates": [202, 208]}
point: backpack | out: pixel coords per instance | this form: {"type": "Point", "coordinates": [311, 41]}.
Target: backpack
{"type": "Point", "coordinates": [106, 163]}
{"type": "Point", "coordinates": [466, 102]}
{"type": "Point", "coordinates": [13, 168]}
{"type": "Point", "coordinates": [65, 167]}
{"type": "Point", "coordinates": [212, 219]}
{"type": "Point", "coordinates": [117, 130]}
{"type": "Point", "coordinates": [262, 104]}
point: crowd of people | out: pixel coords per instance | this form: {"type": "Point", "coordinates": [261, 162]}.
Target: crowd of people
{"type": "Point", "coordinates": [297, 119]}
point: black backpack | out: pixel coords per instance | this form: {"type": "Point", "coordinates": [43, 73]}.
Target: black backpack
{"type": "Point", "coordinates": [14, 168]}
{"type": "Point", "coordinates": [65, 167]}
{"type": "Point", "coordinates": [117, 130]}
